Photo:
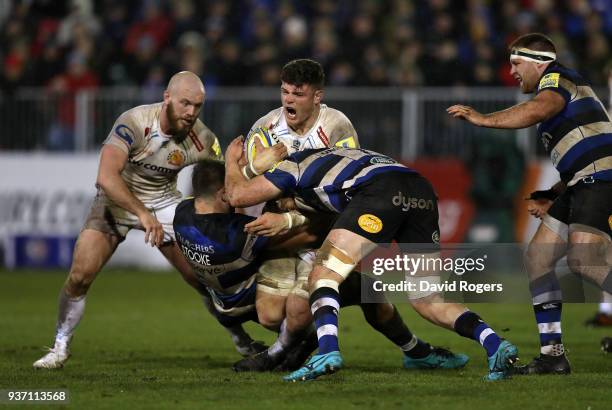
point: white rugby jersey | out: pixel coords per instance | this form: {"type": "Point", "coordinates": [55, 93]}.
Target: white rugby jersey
{"type": "Point", "coordinates": [154, 159]}
{"type": "Point", "coordinates": [332, 128]}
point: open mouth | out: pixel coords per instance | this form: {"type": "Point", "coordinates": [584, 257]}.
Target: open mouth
{"type": "Point", "coordinates": [291, 113]}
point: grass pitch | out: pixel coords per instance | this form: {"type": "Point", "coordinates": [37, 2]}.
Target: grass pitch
{"type": "Point", "coordinates": [147, 342]}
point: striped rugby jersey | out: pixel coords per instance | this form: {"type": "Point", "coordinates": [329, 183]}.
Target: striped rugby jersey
{"type": "Point", "coordinates": [579, 138]}
{"type": "Point", "coordinates": [322, 179]}
{"type": "Point", "coordinates": [223, 256]}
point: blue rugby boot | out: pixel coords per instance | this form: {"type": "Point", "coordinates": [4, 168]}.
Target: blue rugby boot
{"type": "Point", "coordinates": [439, 358]}
{"type": "Point", "coordinates": [318, 365]}
{"type": "Point", "coordinates": [500, 364]}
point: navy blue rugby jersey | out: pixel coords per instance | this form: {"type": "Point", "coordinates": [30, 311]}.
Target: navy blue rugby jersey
{"type": "Point", "coordinates": [321, 179]}
{"type": "Point", "coordinates": [579, 138]}
{"type": "Point", "coordinates": [223, 256]}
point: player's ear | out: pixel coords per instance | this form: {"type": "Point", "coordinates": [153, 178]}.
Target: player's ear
{"type": "Point", "coordinates": [166, 96]}
{"type": "Point", "coordinates": [222, 195]}
{"type": "Point", "coordinates": [318, 96]}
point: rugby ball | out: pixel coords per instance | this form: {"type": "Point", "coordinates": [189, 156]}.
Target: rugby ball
{"type": "Point", "coordinates": [264, 135]}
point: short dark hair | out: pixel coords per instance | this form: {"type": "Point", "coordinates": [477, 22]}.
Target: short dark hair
{"type": "Point", "coordinates": [534, 41]}
{"type": "Point", "coordinates": [207, 178]}
{"type": "Point", "coordinates": [303, 71]}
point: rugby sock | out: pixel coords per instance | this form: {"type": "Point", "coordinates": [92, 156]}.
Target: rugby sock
{"type": "Point", "coordinates": [397, 332]}
{"type": "Point", "coordinates": [239, 336]}
{"type": "Point", "coordinates": [547, 306]}
{"type": "Point", "coordinates": [605, 308]}
{"type": "Point", "coordinates": [416, 348]}
{"type": "Point", "coordinates": [470, 325]}
{"type": "Point", "coordinates": [324, 305]}
{"type": "Point", "coordinates": [606, 304]}
{"type": "Point", "coordinates": [548, 316]}
{"type": "Point", "coordinates": [70, 313]}
{"type": "Point", "coordinates": [285, 341]}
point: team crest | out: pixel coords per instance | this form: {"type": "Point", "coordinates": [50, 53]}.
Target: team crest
{"type": "Point", "coordinates": [370, 223]}
{"type": "Point", "coordinates": [176, 158]}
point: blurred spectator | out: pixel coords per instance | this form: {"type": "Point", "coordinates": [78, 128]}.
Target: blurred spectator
{"type": "Point", "coordinates": [230, 66]}
{"type": "Point", "coordinates": [65, 88]}
{"type": "Point", "coordinates": [362, 42]}
{"type": "Point", "coordinates": [153, 29]}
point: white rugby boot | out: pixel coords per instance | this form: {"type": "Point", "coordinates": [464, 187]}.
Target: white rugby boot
{"type": "Point", "coordinates": [55, 358]}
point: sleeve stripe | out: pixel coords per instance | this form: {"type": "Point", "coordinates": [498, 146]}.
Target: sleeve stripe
{"type": "Point", "coordinates": [196, 141]}
{"type": "Point", "coordinates": [322, 136]}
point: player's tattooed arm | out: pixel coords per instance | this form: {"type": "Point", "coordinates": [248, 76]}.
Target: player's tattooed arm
{"type": "Point", "coordinates": [112, 161]}
{"type": "Point", "coordinates": [241, 192]}
{"type": "Point", "coordinates": [542, 107]}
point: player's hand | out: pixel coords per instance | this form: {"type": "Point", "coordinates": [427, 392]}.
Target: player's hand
{"type": "Point", "coordinates": [268, 224]}
{"type": "Point", "coordinates": [467, 113]}
{"type": "Point", "coordinates": [154, 232]}
{"type": "Point", "coordinates": [234, 151]}
{"type": "Point", "coordinates": [266, 158]}
{"type": "Point", "coordinates": [538, 208]}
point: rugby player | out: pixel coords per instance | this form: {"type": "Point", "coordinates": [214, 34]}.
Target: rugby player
{"type": "Point", "coordinates": [576, 213]}
{"type": "Point", "coordinates": [304, 122]}
{"type": "Point", "coordinates": [217, 243]}
{"type": "Point", "coordinates": [139, 162]}
{"type": "Point", "coordinates": [358, 186]}
{"type": "Point", "coordinates": [224, 256]}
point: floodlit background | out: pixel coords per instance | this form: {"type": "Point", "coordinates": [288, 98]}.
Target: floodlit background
{"type": "Point", "coordinates": [70, 67]}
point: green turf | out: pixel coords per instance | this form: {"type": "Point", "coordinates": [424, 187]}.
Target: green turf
{"type": "Point", "coordinates": [146, 342]}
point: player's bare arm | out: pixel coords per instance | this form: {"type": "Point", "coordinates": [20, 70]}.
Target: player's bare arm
{"type": "Point", "coordinates": [240, 191]}
{"type": "Point", "coordinates": [543, 106]}
{"type": "Point", "coordinates": [112, 161]}
{"type": "Point", "coordinates": [272, 223]}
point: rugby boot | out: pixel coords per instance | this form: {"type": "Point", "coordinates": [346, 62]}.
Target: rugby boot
{"type": "Point", "coordinates": [55, 358]}
{"type": "Point", "coordinates": [545, 364]}
{"type": "Point", "coordinates": [599, 320]}
{"type": "Point", "coordinates": [249, 347]}
{"type": "Point", "coordinates": [500, 364]}
{"type": "Point", "coordinates": [260, 362]}
{"type": "Point", "coordinates": [298, 355]}
{"type": "Point", "coordinates": [318, 365]}
{"type": "Point", "coordinates": [439, 358]}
